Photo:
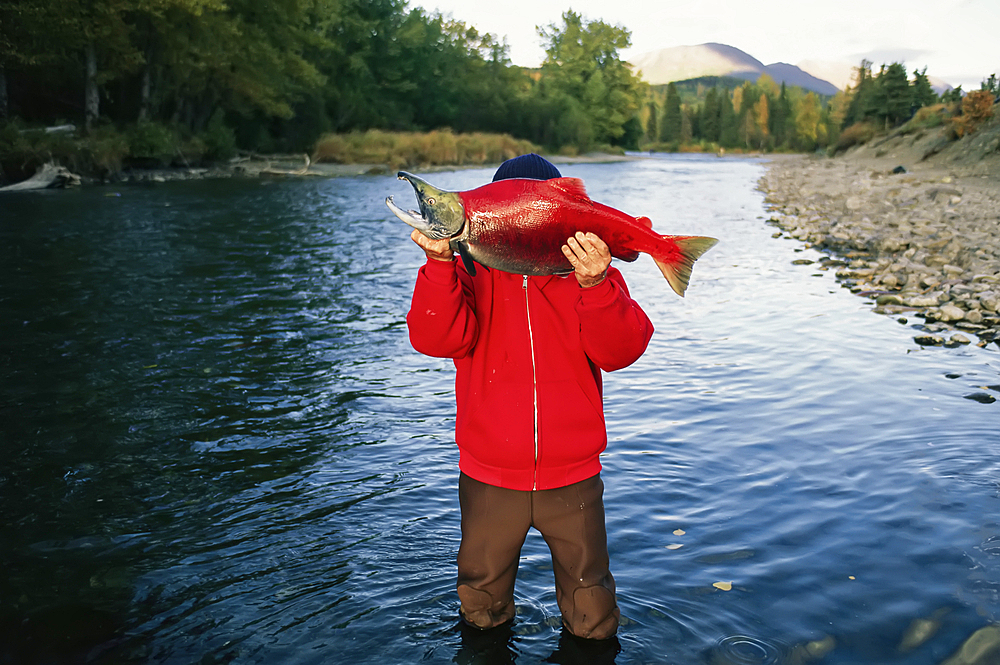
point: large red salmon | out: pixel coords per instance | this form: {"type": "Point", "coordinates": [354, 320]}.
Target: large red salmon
{"type": "Point", "coordinates": [519, 225]}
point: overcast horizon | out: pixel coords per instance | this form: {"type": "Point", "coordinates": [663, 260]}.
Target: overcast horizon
{"type": "Point", "coordinates": [954, 39]}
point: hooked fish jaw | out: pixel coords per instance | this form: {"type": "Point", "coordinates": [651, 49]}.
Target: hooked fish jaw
{"type": "Point", "coordinates": [441, 214]}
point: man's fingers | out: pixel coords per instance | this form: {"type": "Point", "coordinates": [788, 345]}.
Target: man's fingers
{"type": "Point", "coordinates": [599, 245]}
{"type": "Point", "coordinates": [435, 249]}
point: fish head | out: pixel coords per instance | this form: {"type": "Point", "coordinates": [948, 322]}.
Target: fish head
{"type": "Point", "coordinates": [441, 214]}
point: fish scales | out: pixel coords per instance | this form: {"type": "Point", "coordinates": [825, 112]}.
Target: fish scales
{"type": "Point", "coordinates": [519, 226]}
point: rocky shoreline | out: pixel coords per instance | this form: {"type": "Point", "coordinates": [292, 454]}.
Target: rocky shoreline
{"type": "Point", "coordinates": [921, 242]}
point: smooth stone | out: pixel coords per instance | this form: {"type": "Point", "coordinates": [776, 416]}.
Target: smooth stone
{"type": "Point", "coordinates": [929, 340]}
{"type": "Point", "coordinates": [888, 299]}
{"type": "Point", "coordinates": [922, 301]}
{"type": "Point", "coordinates": [950, 313]}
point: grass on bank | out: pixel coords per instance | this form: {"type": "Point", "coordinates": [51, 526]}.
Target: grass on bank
{"type": "Point", "coordinates": [107, 150]}
{"type": "Point", "coordinates": [410, 149]}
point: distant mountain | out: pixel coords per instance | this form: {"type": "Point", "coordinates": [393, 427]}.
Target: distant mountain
{"type": "Point", "coordinates": [939, 86]}
{"type": "Point", "coordinates": [840, 74]}
{"type": "Point", "coordinates": [680, 63]}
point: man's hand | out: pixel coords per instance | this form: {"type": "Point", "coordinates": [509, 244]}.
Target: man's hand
{"type": "Point", "coordinates": [439, 250]}
{"type": "Point", "coordinates": [589, 256]}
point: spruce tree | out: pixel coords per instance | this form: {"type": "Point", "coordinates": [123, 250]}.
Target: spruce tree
{"type": "Point", "coordinates": [710, 116]}
{"type": "Point", "coordinates": [670, 127]}
{"type": "Point", "coordinates": [923, 93]}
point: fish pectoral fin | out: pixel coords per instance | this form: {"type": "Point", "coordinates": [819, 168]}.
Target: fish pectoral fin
{"type": "Point", "coordinates": [678, 273]}
{"type": "Point", "coordinates": [467, 260]}
{"type": "Point", "coordinates": [571, 187]}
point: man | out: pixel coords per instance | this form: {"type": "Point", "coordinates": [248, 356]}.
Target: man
{"type": "Point", "coordinates": [528, 354]}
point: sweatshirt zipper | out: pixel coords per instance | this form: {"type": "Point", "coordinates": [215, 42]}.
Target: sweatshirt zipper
{"type": "Point", "coordinates": [534, 382]}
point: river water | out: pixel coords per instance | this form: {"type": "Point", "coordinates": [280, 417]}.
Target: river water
{"type": "Point", "coordinates": [218, 446]}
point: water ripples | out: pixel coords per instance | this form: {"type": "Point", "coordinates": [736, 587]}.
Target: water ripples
{"type": "Point", "coordinates": [219, 444]}
{"type": "Point", "coordinates": [743, 650]}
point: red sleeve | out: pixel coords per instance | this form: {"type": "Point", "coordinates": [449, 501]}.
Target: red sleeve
{"type": "Point", "coordinates": [614, 329]}
{"type": "Point", "coordinates": [441, 320]}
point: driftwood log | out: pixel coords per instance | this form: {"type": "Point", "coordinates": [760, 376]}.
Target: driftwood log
{"type": "Point", "coordinates": [49, 175]}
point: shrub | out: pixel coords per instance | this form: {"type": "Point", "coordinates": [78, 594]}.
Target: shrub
{"type": "Point", "coordinates": [437, 148]}
{"type": "Point", "coordinates": [857, 134]}
{"type": "Point", "coordinates": [101, 152]}
{"type": "Point", "coordinates": [151, 143]}
{"type": "Point", "coordinates": [977, 107]}
{"type": "Point", "coordinates": [24, 150]}
{"type": "Point", "coordinates": [219, 139]}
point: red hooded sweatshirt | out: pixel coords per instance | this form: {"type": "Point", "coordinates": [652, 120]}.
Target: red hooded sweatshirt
{"type": "Point", "coordinates": [528, 353]}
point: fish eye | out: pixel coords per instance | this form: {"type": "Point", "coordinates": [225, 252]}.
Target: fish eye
{"type": "Point", "coordinates": [431, 201]}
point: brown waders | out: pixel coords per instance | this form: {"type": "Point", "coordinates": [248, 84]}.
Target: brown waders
{"type": "Point", "coordinates": [495, 522]}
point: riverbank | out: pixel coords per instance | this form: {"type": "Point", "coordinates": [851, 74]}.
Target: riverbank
{"type": "Point", "coordinates": [300, 166]}
{"type": "Point", "coordinates": [907, 221]}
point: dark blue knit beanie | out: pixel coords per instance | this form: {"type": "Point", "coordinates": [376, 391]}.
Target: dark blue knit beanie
{"type": "Point", "coordinates": [527, 166]}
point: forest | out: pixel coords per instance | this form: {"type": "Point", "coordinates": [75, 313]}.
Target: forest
{"type": "Point", "coordinates": [147, 82]}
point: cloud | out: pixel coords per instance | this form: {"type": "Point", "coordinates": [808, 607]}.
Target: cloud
{"type": "Point", "coordinates": [888, 56]}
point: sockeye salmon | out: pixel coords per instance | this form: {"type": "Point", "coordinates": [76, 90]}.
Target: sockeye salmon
{"type": "Point", "coordinates": [519, 225]}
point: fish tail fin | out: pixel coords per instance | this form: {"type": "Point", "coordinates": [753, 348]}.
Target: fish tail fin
{"type": "Point", "coordinates": [678, 270]}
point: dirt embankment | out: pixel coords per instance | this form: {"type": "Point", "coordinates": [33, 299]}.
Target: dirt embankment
{"type": "Point", "coordinates": [909, 220]}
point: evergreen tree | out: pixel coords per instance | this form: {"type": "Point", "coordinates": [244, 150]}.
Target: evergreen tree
{"type": "Point", "coordinates": [898, 96]}
{"type": "Point", "coordinates": [923, 93]}
{"type": "Point", "coordinates": [692, 122]}
{"type": "Point", "coordinates": [860, 94]}
{"type": "Point", "coordinates": [670, 126]}
{"type": "Point", "coordinates": [991, 85]}
{"type": "Point", "coordinates": [728, 123]}
{"type": "Point", "coordinates": [687, 128]}
{"type": "Point", "coordinates": [652, 124]}
{"type": "Point", "coordinates": [710, 116]}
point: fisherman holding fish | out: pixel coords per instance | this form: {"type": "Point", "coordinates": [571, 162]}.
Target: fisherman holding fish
{"type": "Point", "coordinates": [529, 345]}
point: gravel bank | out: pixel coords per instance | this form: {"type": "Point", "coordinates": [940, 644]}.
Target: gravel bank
{"type": "Point", "coordinates": [921, 243]}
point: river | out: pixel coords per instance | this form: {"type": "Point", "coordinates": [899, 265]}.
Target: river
{"type": "Point", "coordinates": [218, 445]}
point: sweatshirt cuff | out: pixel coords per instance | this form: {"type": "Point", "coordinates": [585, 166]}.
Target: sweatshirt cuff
{"type": "Point", "coordinates": [440, 272]}
{"type": "Point", "coordinates": [598, 296]}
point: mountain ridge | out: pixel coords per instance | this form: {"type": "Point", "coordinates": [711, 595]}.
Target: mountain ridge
{"type": "Point", "coordinates": [679, 63]}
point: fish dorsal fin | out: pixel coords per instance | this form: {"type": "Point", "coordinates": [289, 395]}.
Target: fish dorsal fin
{"type": "Point", "coordinates": [571, 187]}
{"type": "Point", "coordinates": [645, 221]}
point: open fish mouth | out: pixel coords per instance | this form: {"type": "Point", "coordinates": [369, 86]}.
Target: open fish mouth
{"type": "Point", "coordinates": [441, 214]}
{"type": "Point", "coordinates": [411, 217]}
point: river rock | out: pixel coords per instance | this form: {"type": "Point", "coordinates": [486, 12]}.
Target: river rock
{"type": "Point", "coordinates": [929, 340]}
{"type": "Point", "coordinates": [974, 316]}
{"type": "Point", "coordinates": [888, 299]}
{"type": "Point", "coordinates": [919, 240]}
{"type": "Point", "coordinates": [950, 313]}
{"type": "Point", "coordinates": [922, 301]}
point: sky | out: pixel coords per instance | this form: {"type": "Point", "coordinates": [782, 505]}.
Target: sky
{"type": "Point", "coordinates": [957, 40]}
